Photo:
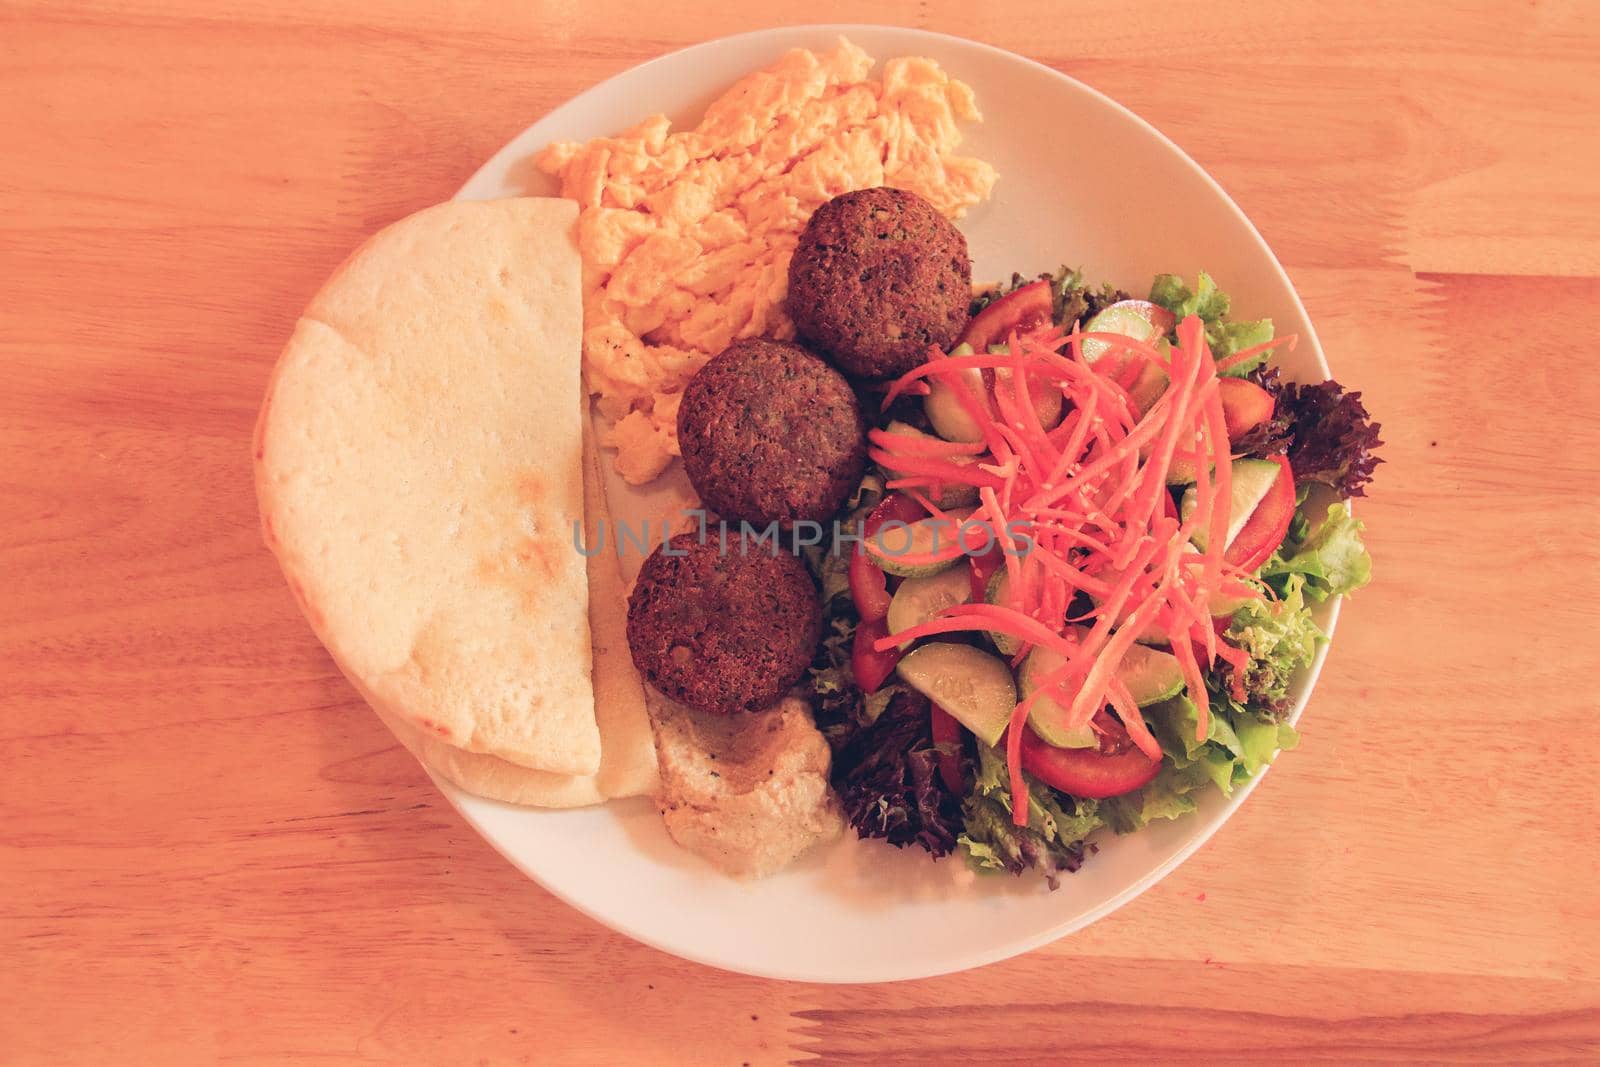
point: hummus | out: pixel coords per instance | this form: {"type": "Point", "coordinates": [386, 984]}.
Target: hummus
{"type": "Point", "coordinates": [748, 792]}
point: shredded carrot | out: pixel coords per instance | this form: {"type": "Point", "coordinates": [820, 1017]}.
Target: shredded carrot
{"type": "Point", "coordinates": [1019, 785]}
{"type": "Point", "coordinates": [936, 512]}
{"type": "Point", "coordinates": [1082, 507]}
{"type": "Point", "coordinates": [1196, 683]}
{"type": "Point", "coordinates": [1237, 659]}
{"type": "Point", "coordinates": [1091, 697]}
{"type": "Point", "coordinates": [959, 473]}
{"type": "Point", "coordinates": [925, 482]}
{"type": "Point", "coordinates": [907, 444]}
{"type": "Point", "coordinates": [1128, 711]}
{"type": "Point", "coordinates": [1246, 354]}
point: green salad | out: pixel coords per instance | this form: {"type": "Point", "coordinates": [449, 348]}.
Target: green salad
{"type": "Point", "coordinates": [1091, 546]}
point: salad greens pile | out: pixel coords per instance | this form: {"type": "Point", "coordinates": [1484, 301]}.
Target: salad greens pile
{"type": "Point", "coordinates": [1323, 430]}
{"type": "Point", "coordinates": [886, 766]}
{"type": "Point", "coordinates": [1225, 336]}
{"type": "Point", "coordinates": [1053, 840]}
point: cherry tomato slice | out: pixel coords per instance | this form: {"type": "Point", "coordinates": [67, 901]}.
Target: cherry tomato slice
{"type": "Point", "coordinates": [1032, 305]}
{"type": "Point", "coordinates": [869, 587]}
{"type": "Point", "coordinates": [1115, 768]}
{"type": "Point", "coordinates": [1267, 526]}
{"type": "Point", "coordinates": [899, 506]}
{"type": "Point", "coordinates": [947, 735]}
{"type": "Point", "coordinates": [1245, 405]}
{"type": "Point", "coordinates": [871, 667]}
{"type": "Point", "coordinates": [983, 566]}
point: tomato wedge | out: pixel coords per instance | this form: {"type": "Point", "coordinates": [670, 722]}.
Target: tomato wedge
{"type": "Point", "coordinates": [869, 586]}
{"type": "Point", "coordinates": [983, 565]}
{"type": "Point", "coordinates": [870, 667]}
{"type": "Point", "coordinates": [1245, 405]}
{"type": "Point", "coordinates": [1115, 768]}
{"type": "Point", "coordinates": [947, 735]}
{"type": "Point", "coordinates": [1266, 527]}
{"type": "Point", "coordinates": [1017, 312]}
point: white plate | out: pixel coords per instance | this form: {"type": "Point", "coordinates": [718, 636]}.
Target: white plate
{"type": "Point", "coordinates": [1082, 180]}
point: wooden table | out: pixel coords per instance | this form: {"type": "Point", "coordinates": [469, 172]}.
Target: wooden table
{"type": "Point", "coordinates": [212, 853]}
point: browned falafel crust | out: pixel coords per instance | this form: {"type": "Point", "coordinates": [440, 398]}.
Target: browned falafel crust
{"type": "Point", "coordinates": [723, 632]}
{"type": "Point", "coordinates": [879, 276]}
{"type": "Point", "coordinates": [771, 433]}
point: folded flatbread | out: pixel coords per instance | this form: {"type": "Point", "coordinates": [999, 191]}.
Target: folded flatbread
{"type": "Point", "coordinates": [419, 471]}
{"type": "Point", "coordinates": [627, 752]}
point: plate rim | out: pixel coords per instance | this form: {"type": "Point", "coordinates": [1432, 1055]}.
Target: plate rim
{"type": "Point", "coordinates": [1021, 944]}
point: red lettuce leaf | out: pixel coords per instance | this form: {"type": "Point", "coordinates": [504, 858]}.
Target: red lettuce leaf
{"type": "Point", "coordinates": [887, 778]}
{"type": "Point", "coordinates": [1324, 429]}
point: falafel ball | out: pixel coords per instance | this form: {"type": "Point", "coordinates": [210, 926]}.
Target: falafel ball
{"type": "Point", "coordinates": [723, 631]}
{"type": "Point", "coordinates": [878, 276]}
{"type": "Point", "coordinates": [769, 432]}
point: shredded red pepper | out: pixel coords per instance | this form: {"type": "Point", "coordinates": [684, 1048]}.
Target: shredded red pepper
{"type": "Point", "coordinates": [1079, 506]}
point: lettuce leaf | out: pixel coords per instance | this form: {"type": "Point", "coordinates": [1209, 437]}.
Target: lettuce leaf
{"type": "Point", "coordinates": [1072, 299]}
{"type": "Point", "coordinates": [1335, 440]}
{"type": "Point", "coordinates": [886, 775]}
{"type": "Point", "coordinates": [1190, 765]}
{"type": "Point", "coordinates": [836, 703]}
{"type": "Point", "coordinates": [1167, 797]}
{"type": "Point", "coordinates": [1205, 299]}
{"type": "Point", "coordinates": [1324, 429]}
{"type": "Point", "coordinates": [885, 764]}
{"type": "Point", "coordinates": [1237, 745]}
{"type": "Point", "coordinates": [1281, 638]}
{"type": "Point", "coordinates": [838, 706]}
{"type": "Point", "coordinates": [1259, 738]}
{"type": "Point", "coordinates": [1053, 839]}
{"type": "Point", "coordinates": [1211, 305]}
{"type": "Point", "coordinates": [1328, 556]}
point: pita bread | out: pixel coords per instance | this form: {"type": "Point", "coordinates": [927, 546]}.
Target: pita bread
{"type": "Point", "coordinates": [419, 471]}
{"type": "Point", "coordinates": [627, 752]}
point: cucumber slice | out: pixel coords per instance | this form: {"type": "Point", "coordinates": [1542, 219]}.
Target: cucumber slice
{"type": "Point", "coordinates": [1223, 607]}
{"type": "Point", "coordinates": [1250, 482]}
{"type": "Point", "coordinates": [974, 687]}
{"type": "Point", "coordinates": [1150, 675]}
{"type": "Point", "coordinates": [1049, 402]}
{"type": "Point", "coordinates": [951, 420]}
{"type": "Point", "coordinates": [1154, 633]}
{"type": "Point", "coordinates": [1138, 319]}
{"type": "Point", "coordinates": [950, 496]}
{"type": "Point", "coordinates": [920, 599]}
{"type": "Point", "coordinates": [1181, 471]}
{"type": "Point", "coordinates": [1047, 717]}
{"type": "Point", "coordinates": [944, 409]}
{"type": "Point", "coordinates": [998, 592]}
{"type": "Point", "coordinates": [887, 547]}
{"type": "Point", "coordinates": [1148, 387]}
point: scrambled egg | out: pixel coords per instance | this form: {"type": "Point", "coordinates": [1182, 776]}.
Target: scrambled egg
{"type": "Point", "coordinates": [686, 237]}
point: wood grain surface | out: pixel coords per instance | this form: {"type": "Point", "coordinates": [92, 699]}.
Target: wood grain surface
{"type": "Point", "coordinates": [209, 852]}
